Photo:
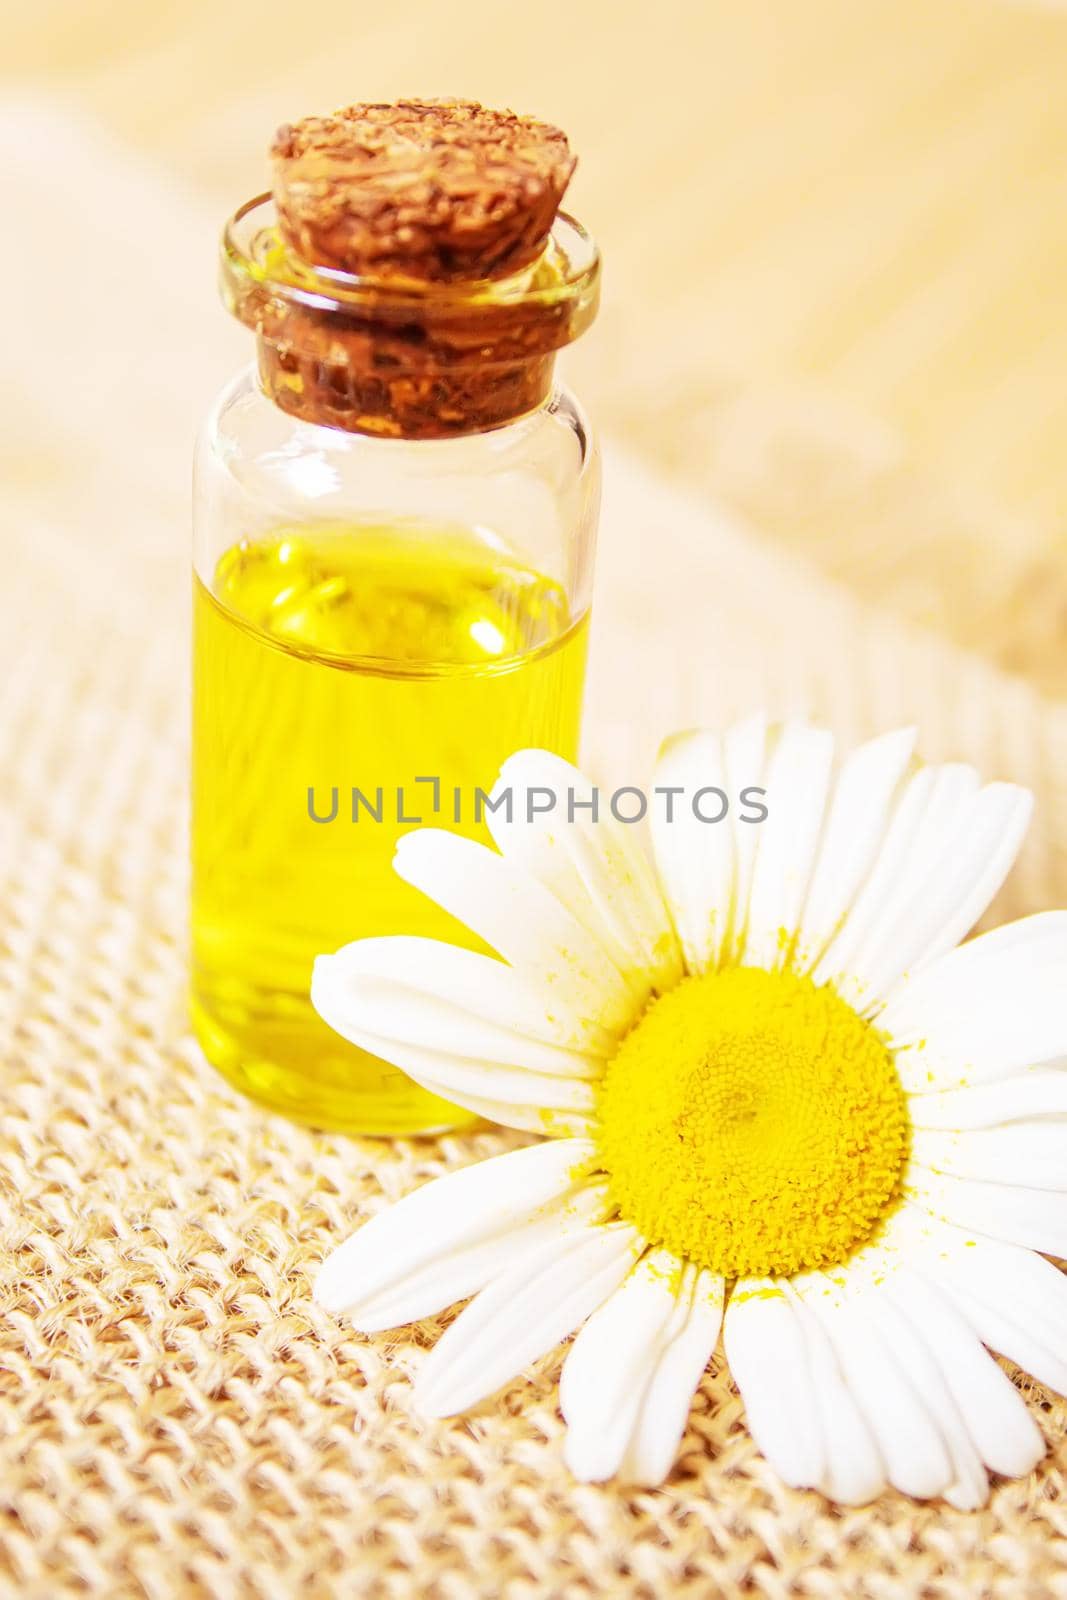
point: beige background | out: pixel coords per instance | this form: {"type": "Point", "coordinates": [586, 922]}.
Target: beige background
{"type": "Point", "coordinates": [836, 238]}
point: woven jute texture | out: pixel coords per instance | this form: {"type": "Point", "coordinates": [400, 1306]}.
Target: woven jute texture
{"type": "Point", "coordinates": [176, 1416]}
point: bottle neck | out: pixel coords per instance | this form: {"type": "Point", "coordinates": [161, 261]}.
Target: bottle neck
{"type": "Point", "coordinates": [403, 360]}
{"type": "Point", "coordinates": [389, 385]}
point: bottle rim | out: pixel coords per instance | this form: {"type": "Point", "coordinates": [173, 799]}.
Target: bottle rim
{"type": "Point", "coordinates": [404, 358]}
{"type": "Point", "coordinates": [255, 259]}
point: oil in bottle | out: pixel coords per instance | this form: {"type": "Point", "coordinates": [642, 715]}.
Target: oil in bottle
{"type": "Point", "coordinates": [330, 658]}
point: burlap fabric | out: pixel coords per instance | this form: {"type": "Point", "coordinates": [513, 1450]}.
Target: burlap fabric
{"type": "Point", "coordinates": [177, 1418]}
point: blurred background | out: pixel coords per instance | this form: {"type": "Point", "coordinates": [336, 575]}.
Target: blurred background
{"type": "Point", "coordinates": [835, 235]}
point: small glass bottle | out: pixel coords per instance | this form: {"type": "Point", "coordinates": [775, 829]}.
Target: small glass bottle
{"type": "Point", "coordinates": [395, 518]}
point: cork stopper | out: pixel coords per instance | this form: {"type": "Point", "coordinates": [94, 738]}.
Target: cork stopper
{"type": "Point", "coordinates": [411, 275]}
{"type": "Point", "coordinates": [431, 191]}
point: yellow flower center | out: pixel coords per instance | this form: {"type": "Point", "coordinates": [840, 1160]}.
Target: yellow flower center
{"type": "Point", "coordinates": [753, 1123]}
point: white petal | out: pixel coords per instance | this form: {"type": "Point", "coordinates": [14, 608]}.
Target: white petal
{"type": "Point", "coordinates": [695, 859]}
{"type": "Point", "coordinates": [880, 1284]}
{"type": "Point", "coordinates": [972, 873]}
{"type": "Point", "coordinates": [797, 784]}
{"type": "Point", "coordinates": [665, 1408]}
{"type": "Point", "coordinates": [596, 869]}
{"type": "Point", "coordinates": [1004, 1433]}
{"type": "Point", "coordinates": [745, 755]}
{"type": "Point", "coordinates": [1014, 1299]}
{"type": "Point", "coordinates": [461, 1209]}
{"type": "Point", "coordinates": [523, 1313]}
{"type": "Point", "coordinates": [867, 789]}
{"type": "Point", "coordinates": [1036, 1218]}
{"type": "Point", "coordinates": [906, 1233]}
{"type": "Point", "coordinates": [454, 1275]}
{"type": "Point", "coordinates": [551, 1122]}
{"type": "Point", "coordinates": [361, 1008]}
{"type": "Point", "coordinates": [768, 1356]}
{"type": "Point", "coordinates": [610, 1363]}
{"type": "Point", "coordinates": [1027, 1094]}
{"type": "Point", "coordinates": [530, 1100]}
{"type": "Point", "coordinates": [909, 1443]}
{"type": "Point", "coordinates": [628, 1381]}
{"type": "Point", "coordinates": [901, 1331]}
{"type": "Point", "coordinates": [1001, 1329]}
{"type": "Point", "coordinates": [1030, 1154]}
{"type": "Point", "coordinates": [478, 1003]}
{"type": "Point", "coordinates": [853, 1471]}
{"type": "Point", "coordinates": [986, 1010]}
{"type": "Point", "coordinates": [947, 851]}
{"type": "Point", "coordinates": [521, 920]}
{"type": "Point", "coordinates": [888, 877]}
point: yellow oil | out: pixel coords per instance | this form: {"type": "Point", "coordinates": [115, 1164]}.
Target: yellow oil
{"type": "Point", "coordinates": [341, 657]}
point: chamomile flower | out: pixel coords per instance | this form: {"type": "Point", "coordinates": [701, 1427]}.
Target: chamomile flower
{"type": "Point", "coordinates": [778, 1098]}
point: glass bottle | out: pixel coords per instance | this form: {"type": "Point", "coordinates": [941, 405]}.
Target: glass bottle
{"type": "Point", "coordinates": [395, 520]}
